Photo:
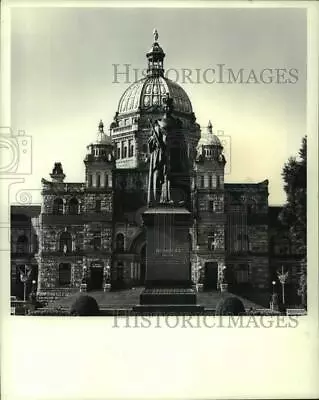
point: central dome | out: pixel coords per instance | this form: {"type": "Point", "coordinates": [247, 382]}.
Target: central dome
{"type": "Point", "coordinates": [149, 93]}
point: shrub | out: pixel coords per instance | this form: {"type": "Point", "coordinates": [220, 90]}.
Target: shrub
{"type": "Point", "coordinates": [85, 305]}
{"type": "Point", "coordinates": [230, 306]}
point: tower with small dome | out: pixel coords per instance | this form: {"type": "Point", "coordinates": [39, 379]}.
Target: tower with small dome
{"type": "Point", "coordinates": [209, 195]}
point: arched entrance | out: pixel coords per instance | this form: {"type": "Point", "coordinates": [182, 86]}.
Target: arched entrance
{"type": "Point", "coordinates": [96, 276]}
{"type": "Point", "coordinates": [211, 275]}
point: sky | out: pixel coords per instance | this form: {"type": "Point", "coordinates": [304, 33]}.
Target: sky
{"type": "Point", "coordinates": [62, 80]}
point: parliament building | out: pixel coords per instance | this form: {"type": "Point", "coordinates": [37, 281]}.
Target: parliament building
{"type": "Point", "coordinates": [94, 229]}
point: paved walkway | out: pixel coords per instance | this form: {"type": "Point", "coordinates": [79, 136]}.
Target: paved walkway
{"type": "Point", "coordinates": [126, 299]}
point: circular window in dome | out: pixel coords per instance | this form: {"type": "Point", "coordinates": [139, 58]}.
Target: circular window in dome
{"type": "Point", "coordinates": [155, 90]}
{"type": "Point", "coordinates": [163, 89]}
{"type": "Point", "coordinates": [155, 100]}
{"type": "Point", "coordinates": [148, 89]}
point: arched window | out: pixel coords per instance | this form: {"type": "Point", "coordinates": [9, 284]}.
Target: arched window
{"type": "Point", "coordinates": [124, 151]}
{"type": "Point", "coordinates": [73, 206]}
{"type": "Point", "coordinates": [64, 274]}
{"type": "Point", "coordinates": [120, 242]}
{"type": "Point", "coordinates": [22, 245]}
{"type": "Point", "coordinates": [58, 206]}
{"type": "Point", "coordinates": [65, 242]}
{"type": "Point", "coordinates": [130, 148]}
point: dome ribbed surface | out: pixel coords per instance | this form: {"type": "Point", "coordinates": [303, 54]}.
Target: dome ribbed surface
{"type": "Point", "coordinates": [150, 92]}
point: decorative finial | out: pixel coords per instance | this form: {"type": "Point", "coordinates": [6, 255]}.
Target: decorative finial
{"type": "Point", "coordinates": [210, 127]}
{"type": "Point", "coordinates": [155, 34]}
{"type": "Point", "coordinates": [101, 126]}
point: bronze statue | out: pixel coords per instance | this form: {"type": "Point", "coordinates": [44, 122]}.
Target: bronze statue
{"type": "Point", "coordinates": [158, 183]}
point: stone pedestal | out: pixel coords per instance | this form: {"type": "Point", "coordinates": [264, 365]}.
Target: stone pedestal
{"type": "Point", "coordinates": [107, 287]}
{"type": "Point", "coordinates": [83, 287]}
{"type": "Point", "coordinates": [168, 283]}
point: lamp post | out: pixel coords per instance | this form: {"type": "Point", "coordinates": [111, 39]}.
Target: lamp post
{"type": "Point", "coordinates": [107, 278]}
{"type": "Point", "coordinates": [223, 281]}
{"type": "Point", "coordinates": [273, 302]}
{"type": "Point", "coordinates": [83, 286]}
{"type": "Point", "coordinates": [33, 291]}
{"type": "Point", "coordinates": [273, 287]}
{"type": "Point", "coordinates": [282, 276]}
{"type": "Point", "coordinates": [197, 272]}
{"type": "Point", "coordinates": [24, 277]}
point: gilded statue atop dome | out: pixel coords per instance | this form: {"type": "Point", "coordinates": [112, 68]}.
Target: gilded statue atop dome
{"type": "Point", "coordinates": [155, 34]}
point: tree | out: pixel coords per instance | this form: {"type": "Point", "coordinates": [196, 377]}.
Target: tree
{"type": "Point", "coordinates": [85, 305]}
{"type": "Point", "coordinates": [294, 213]}
{"type": "Point", "coordinates": [230, 305]}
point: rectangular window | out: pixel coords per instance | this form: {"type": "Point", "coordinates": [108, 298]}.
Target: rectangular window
{"type": "Point", "coordinates": [214, 181]}
{"type": "Point", "coordinates": [202, 181]}
{"type": "Point", "coordinates": [206, 180]}
{"type": "Point", "coordinates": [106, 177]}
{"type": "Point", "coordinates": [64, 274]}
{"type": "Point", "coordinates": [211, 241]}
{"type": "Point", "coordinates": [98, 180]}
{"type": "Point", "coordinates": [218, 181]}
{"type": "Point", "coordinates": [98, 206]}
{"type": "Point", "coordinates": [118, 152]}
{"type": "Point", "coordinates": [97, 241]}
{"type": "Point", "coordinates": [125, 152]}
{"type": "Point", "coordinates": [242, 273]}
{"type": "Point", "coordinates": [90, 180]}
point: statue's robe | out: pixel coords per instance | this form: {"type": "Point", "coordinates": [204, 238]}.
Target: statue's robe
{"type": "Point", "coordinates": [158, 190]}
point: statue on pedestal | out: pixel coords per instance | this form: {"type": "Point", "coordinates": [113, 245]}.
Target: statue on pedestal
{"type": "Point", "coordinates": [158, 183]}
{"type": "Point", "coordinates": [159, 170]}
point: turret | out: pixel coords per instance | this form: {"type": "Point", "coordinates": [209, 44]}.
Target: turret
{"type": "Point", "coordinates": [99, 161]}
{"type": "Point", "coordinates": [57, 174]}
